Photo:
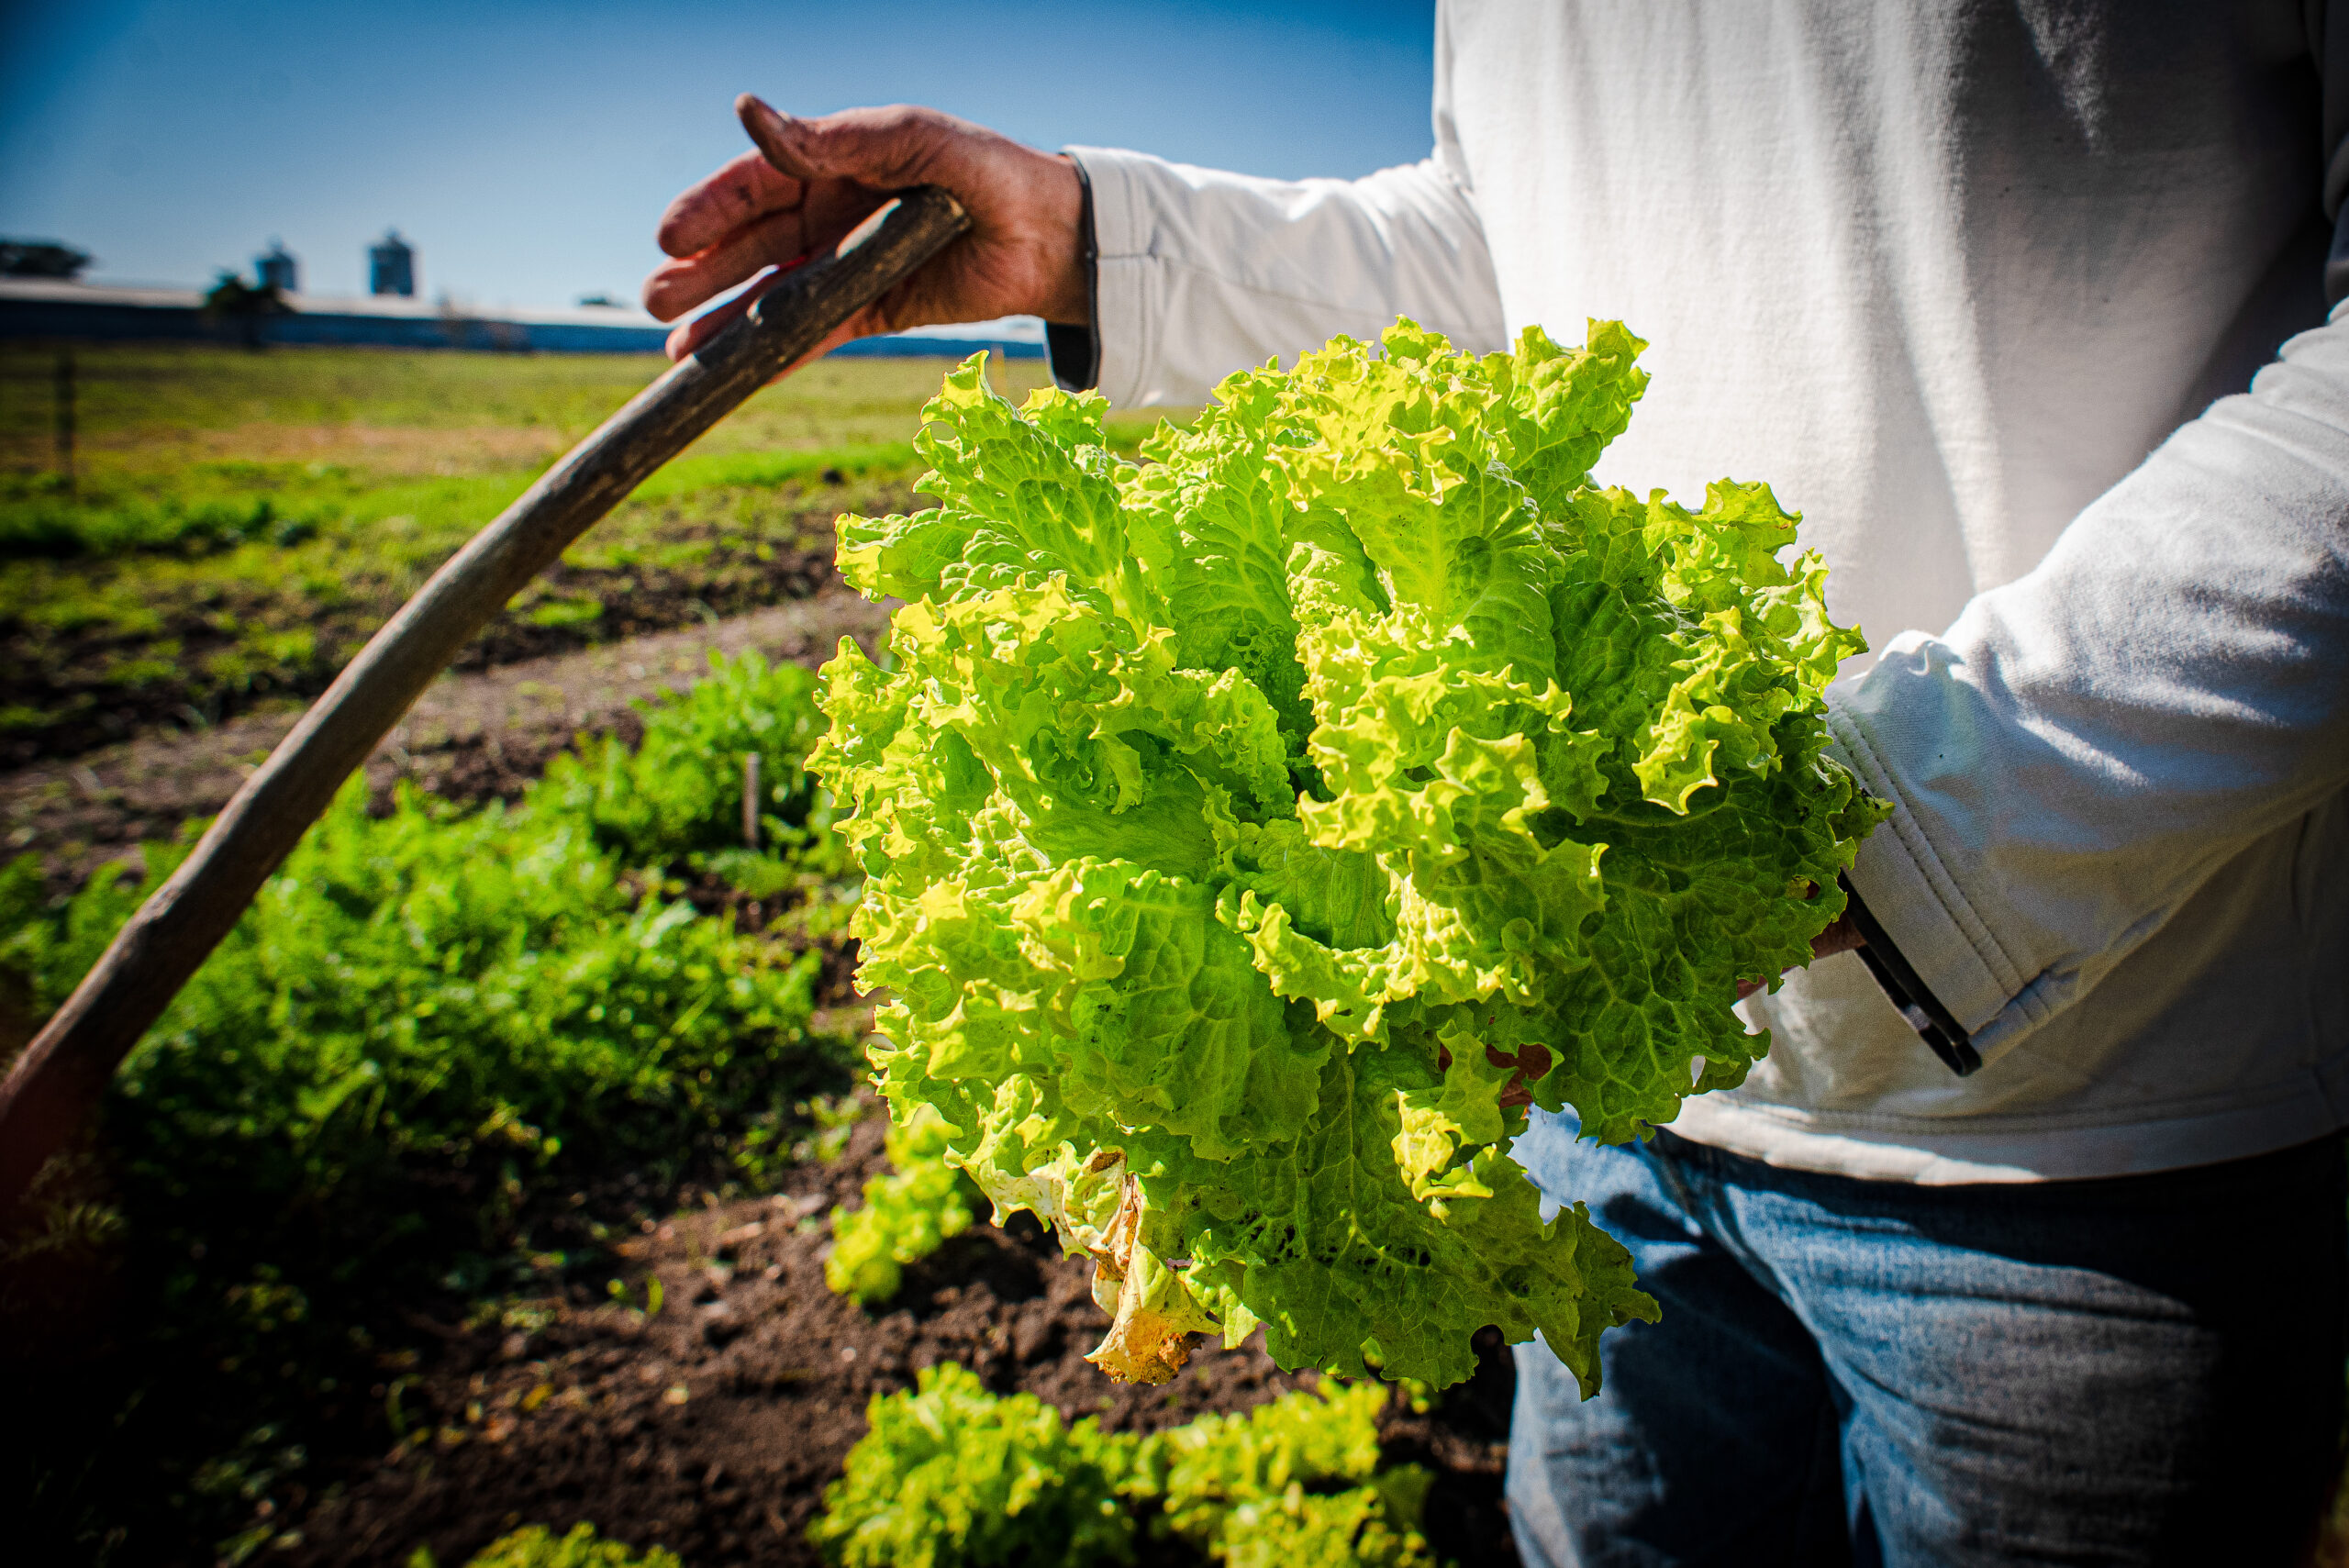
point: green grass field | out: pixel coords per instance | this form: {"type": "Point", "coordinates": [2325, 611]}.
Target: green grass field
{"type": "Point", "coordinates": [238, 524]}
{"type": "Point", "coordinates": [145, 408]}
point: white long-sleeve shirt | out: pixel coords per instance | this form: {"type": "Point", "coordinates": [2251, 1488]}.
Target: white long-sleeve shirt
{"type": "Point", "coordinates": [1962, 280]}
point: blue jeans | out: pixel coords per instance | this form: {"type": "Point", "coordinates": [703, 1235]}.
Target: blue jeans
{"type": "Point", "coordinates": [2141, 1370]}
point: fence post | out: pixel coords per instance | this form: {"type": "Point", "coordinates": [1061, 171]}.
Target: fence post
{"type": "Point", "coordinates": [750, 800]}
{"type": "Point", "coordinates": [65, 418]}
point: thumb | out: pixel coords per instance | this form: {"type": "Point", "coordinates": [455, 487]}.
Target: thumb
{"type": "Point", "coordinates": [776, 135]}
{"type": "Point", "coordinates": [879, 149]}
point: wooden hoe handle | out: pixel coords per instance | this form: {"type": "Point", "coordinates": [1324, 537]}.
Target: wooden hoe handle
{"type": "Point", "coordinates": [62, 1074]}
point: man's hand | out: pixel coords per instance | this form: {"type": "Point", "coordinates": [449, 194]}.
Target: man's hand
{"type": "Point", "coordinates": [812, 181]}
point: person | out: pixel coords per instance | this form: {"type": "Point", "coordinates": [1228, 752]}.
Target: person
{"type": "Point", "coordinates": [2026, 1242]}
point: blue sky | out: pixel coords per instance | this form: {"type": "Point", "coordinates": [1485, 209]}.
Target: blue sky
{"type": "Point", "coordinates": [528, 148]}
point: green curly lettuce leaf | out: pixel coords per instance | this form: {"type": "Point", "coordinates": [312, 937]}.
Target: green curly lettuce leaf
{"type": "Point", "coordinates": [909, 1211]}
{"type": "Point", "coordinates": [949, 1474]}
{"type": "Point", "coordinates": [1242, 825]}
{"type": "Point", "coordinates": [1293, 1481]}
{"type": "Point", "coordinates": [536, 1546]}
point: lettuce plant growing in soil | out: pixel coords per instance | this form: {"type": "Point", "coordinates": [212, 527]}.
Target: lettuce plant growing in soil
{"type": "Point", "coordinates": [949, 1476]}
{"type": "Point", "coordinates": [1250, 831]}
{"type": "Point", "coordinates": [907, 1214]}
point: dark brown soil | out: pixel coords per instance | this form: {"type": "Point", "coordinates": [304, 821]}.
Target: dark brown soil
{"type": "Point", "coordinates": [712, 1426]}
{"type": "Point", "coordinates": [469, 738]}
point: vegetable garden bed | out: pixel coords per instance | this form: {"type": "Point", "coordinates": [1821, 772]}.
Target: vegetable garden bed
{"type": "Point", "coordinates": [369, 1258]}
{"type": "Point", "coordinates": [712, 1425]}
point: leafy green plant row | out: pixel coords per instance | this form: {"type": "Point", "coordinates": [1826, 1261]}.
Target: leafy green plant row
{"type": "Point", "coordinates": [909, 1211]}
{"type": "Point", "coordinates": [89, 649]}
{"type": "Point", "coordinates": [57, 528]}
{"type": "Point", "coordinates": [952, 1476]}
{"type": "Point", "coordinates": [435, 1038]}
{"type": "Point", "coordinates": [535, 1546]}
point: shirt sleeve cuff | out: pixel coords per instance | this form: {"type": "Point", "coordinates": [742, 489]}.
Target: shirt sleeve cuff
{"type": "Point", "coordinates": [1122, 288]}
{"type": "Point", "coordinates": [1930, 950]}
{"type": "Point", "coordinates": [1933, 1023]}
{"type": "Point", "coordinates": [1075, 350]}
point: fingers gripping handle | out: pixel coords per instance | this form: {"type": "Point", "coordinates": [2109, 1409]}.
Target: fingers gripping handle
{"type": "Point", "coordinates": [59, 1077]}
{"type": "Point", "coordinates": [792, 319]}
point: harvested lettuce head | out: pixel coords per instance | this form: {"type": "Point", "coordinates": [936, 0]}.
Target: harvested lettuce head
{"type": "Point", "coordinates": [1240, 824]}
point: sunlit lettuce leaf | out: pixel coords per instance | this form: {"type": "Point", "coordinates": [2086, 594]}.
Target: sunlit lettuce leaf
{"type": "Point", "coordinates": [1242, 827]}
{"type": "Point", "coordinates": [909, 1211]}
